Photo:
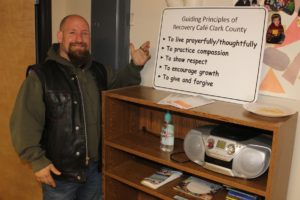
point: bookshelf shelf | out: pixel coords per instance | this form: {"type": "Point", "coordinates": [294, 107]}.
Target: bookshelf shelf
{"type": "Point", "coordinates": [131, 126]}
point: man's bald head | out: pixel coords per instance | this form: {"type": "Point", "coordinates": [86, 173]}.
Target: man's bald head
{"type": "Point", "coordinates": [74, 39]}
{"type": "Point", "coordinates": [72, 17]}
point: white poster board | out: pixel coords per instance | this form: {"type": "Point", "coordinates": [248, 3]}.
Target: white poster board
{"type": "Point", "coordinates": [211, 51]}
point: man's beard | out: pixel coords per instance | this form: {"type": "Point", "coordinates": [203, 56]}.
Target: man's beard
{"type": "Point", "coordinates": [79, 57]}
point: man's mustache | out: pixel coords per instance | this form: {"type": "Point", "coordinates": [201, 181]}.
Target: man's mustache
{"type": "Point", "coordinates": [78, 43]}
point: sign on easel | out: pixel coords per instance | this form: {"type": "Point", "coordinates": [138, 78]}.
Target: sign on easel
{"type": "Point", "coordinates": [211, 51]}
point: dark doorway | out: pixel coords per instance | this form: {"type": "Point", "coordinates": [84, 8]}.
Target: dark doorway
{"type": "Point", "coordinates": [43, 32]}
{"type": "Point", "coordinates": [110, 31]}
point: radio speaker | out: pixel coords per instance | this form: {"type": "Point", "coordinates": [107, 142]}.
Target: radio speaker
{"type": "Point", "coordinates": [194, 146]}
{"type": "Point", "coordinates": [251, 162]}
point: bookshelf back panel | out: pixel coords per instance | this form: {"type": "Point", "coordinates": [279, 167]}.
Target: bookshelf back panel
{"type": "Point", "coordinates": [115, 190]}
{"type": "Point", "coordinates": [115, 157]}
{"type": "Point", "coordinates": [120, 117]}
{"type": "Point", "coordinates": [145, 196]}
{"type": "Point", "coordinates": [123, 117]}
{"type": "Point", "coordinates": [152, 120]}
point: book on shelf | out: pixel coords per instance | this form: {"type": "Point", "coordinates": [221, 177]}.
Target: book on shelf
{"type": "Point", "coordinates": [234, 194]}
{"type": "Point", "coordinates": [161, 177]}
{"type": "Point", "coordinates": [198, 188]}
{"type": "Point", "coordinates": [230, 198]}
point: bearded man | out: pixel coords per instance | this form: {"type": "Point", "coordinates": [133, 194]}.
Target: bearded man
{"type": "Point", "coordinates": [56, 121]}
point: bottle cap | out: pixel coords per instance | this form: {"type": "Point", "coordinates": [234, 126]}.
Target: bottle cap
{"type": "Point", "coordinates": [168, 117]}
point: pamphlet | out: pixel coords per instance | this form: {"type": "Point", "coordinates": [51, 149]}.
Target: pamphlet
{"type": "Point", "coordinates": [185, 101]}
{"type": "Point", "coordinates": [198, 188]}
{"type": "Point", "coordinates": [161, 177]}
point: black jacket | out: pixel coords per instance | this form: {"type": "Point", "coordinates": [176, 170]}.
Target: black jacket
{"type": "Point", "coordinates": [33, 113]}
{"type": "Point", "coordinates": [64, 136]}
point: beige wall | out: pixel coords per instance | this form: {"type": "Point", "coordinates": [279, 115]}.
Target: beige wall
{"type": "Point", "coordinates": [61, 8]}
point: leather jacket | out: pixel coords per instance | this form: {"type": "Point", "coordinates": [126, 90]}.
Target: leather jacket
{"type": "Point", "coordinates": [64, 137]}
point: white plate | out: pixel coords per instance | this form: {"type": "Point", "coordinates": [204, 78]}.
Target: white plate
{"type": "Point", "coordinates": [198, 188]}
{"type": "Point", "coordinates": [269, 110]}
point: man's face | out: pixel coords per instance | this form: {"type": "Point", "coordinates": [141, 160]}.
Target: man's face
{"type": "Point", "coordinates": [74, 39]}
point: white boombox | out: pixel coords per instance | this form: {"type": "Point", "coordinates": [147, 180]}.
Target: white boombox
{"type": "Point", "coordinates": [229, 149]}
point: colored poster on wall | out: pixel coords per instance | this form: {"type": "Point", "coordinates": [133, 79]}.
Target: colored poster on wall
{"type": "Point", "coordinates": [281, 64]}
{"type": "Point", "coordinates": [211, 51]}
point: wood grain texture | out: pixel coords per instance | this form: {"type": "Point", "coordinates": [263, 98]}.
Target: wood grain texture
{"type": "Point", "coordinates": [16, 53]}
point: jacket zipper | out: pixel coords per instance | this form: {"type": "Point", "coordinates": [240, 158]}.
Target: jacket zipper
{"type": "Point", "coordinates": [84, 122]}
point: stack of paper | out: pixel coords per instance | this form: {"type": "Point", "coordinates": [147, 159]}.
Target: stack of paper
{"type": "Point", "coordinates": [185, 101]}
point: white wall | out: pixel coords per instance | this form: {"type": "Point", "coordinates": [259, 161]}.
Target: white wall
{"type": "Point", "coordinates": [146, 21]}
{"type": "Point", "coordinates": [146, 16]}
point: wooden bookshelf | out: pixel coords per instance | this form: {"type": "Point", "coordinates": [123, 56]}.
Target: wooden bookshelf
{"type": "Point", "coordinates": [131, 128]}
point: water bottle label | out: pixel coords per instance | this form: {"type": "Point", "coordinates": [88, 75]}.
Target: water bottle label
{"type": "Point", "coordinates": [167, 135]}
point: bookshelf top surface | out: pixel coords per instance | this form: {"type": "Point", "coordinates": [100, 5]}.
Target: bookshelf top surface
{"type": "Point", "coordinates": [218, 110]}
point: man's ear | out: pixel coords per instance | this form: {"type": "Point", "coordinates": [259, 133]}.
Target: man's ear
{"type": "Point", "coordinates": [59, 36]}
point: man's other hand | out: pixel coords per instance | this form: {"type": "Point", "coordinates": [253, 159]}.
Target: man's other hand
{"type": "Point", "coordinates": [44, 175]}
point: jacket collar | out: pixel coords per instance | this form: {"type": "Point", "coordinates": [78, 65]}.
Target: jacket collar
{"type": "Point", "coordinates": [54, 56]}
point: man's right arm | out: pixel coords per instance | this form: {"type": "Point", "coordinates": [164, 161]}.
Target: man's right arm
{"type": "Point", "coordinates": [27, 123]}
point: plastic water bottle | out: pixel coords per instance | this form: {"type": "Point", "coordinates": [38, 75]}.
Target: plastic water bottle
{"type": "Point", "coordinates": [167, 134]}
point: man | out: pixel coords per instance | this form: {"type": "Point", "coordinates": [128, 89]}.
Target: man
{"type": "Point", "coordinates": [56, 121]}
